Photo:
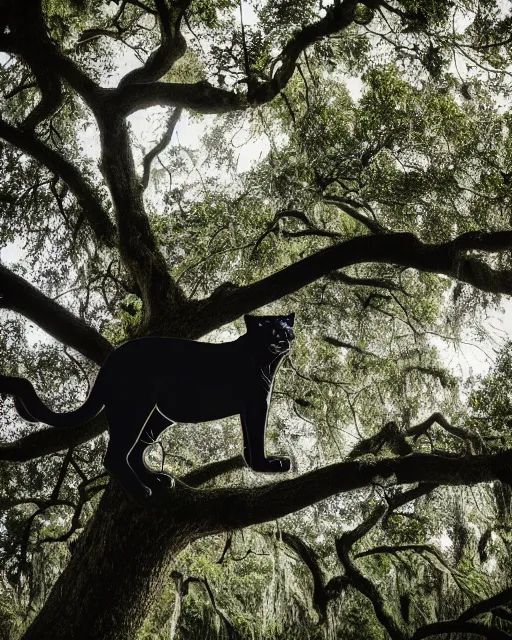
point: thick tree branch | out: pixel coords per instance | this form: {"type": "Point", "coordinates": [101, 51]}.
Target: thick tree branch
{"type": "Point", "coordinates": [30, 35]}
{"type": "Point", "coordinates": [338, 17]}
{"type": "Point", "coordinates": [50, 440]}
{"type": "Point", "coordinates": [206, 98]}
{"type": "Point", "coordinates": [138, 246]}
{"type": "Point", "coordinates": [402, 249]}
{"type": "Point", "coordinates": [275, 500]}
{"type": "Point", "coordinates": [323, 591]}
{"type": "Point", "coordinates": [473, 440]}
{"type": "Point", "coordinates": [170, 521]}
{"type": "Point", "coordinates": [19, 295]}
{"type": "Point", "coordinates": [172, 46]}
{"type": "Point", "coordinates": [210, 471]}
{"type": "Point", "coordinates": [359, 581]}
{"type": "Point", "coordinates": [201, 96]}
{"type": "Point", "coordinates": [95, 215]}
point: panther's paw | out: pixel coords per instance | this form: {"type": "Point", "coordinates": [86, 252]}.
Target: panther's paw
{"type": "Point", "coordinates": [272, 464]}
{"type": "Point", "coordinates": [165, 479]}
{"type": "Point", "coordinates": [279, 464]}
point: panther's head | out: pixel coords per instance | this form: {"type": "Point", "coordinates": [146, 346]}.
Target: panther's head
{"type": "Point", "coordinates": [274, 333]}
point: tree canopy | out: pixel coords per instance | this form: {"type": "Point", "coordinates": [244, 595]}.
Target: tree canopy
{"type": "Point", "coordinates": [171, 165]}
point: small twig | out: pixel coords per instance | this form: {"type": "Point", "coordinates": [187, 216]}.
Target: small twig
{"type": "Point", "coordinates": [160, 146]}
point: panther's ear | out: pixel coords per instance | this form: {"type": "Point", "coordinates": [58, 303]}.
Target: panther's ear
{"type": "Point", "coordinates": [290, 319]}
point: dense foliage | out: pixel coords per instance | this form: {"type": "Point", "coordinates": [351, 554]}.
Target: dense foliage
{"type": "Point", "coordinates": [171, 165]}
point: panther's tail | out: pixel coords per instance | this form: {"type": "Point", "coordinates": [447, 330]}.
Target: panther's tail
{"type": "Point", "coordinates": [32, 409]}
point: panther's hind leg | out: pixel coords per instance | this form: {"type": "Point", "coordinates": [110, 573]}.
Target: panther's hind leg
{"type": "Point", "coordinates": [155, 426]}
{"type": "Point", "coordinates": [126, 421]}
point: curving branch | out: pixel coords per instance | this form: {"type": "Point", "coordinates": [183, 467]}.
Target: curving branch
{"type": "Point", "coordinates": [32, 42]}
{"type": "Point", "coordinates": [182, 589]}
{"type": "Point", "coordinates": [338, 17]}
{"type": "Point", "coordinates": [28, 33]}
{"type": "Point", "coordinates": [172, 44]}
{"type": "Point", "coordinates": [394, 550]}
{"type": "Point", "coordinates": [393, 437]}
{"type": "Point", "coordinates": [51, 99]}
{"type": "Point", "coordinates": [206, 98]}
{"type": "Point", "coordinates": [16, 294]}
{"type": "Point", "coordinates": [359, 581]}
{"type": "Point", "coordinates": [499, 599]}
{"type": "Point", "coordinates": [249, 506]}
{"type": "Point", "coordinates": [94, 212]}
{"type": "Point", "coordinates": [160, 146]}
{"type": "Point", "coordinates": [403, 249]}
{"type": "Point", "coordinates": [403, 497]}
{"type": "Point", "coordinates": [463, 623]}
{"type": "Point", "coordinates": [323, 591]}
{"type": "Point", "coordinates": [311, 229]}
{"type": "Point", "coordinates": [473, 441]}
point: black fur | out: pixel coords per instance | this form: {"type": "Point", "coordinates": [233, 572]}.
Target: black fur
{"type": "Point", "coordinates": [148, 384]}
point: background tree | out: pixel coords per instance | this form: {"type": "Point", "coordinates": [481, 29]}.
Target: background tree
{"type": "Point", "coordinates": [382, 219]}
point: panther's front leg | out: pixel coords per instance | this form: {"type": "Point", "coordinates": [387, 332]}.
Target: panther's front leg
{"type": "Point", "coordinates": [157, 423]}
{"type": "Point", "coordinates": [254, 423]}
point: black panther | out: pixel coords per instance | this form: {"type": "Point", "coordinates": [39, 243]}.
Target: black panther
{"type": "Point", "coordinates": [147, 384]}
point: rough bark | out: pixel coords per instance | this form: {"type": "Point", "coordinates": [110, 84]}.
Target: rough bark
{"type": "Point", "coordinates": [124, 555]}
{"type": "Point", "coordinates": [120, 562]}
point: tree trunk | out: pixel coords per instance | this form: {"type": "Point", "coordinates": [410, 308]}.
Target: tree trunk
{"type": "Point", "coordinates": [118, 567]}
